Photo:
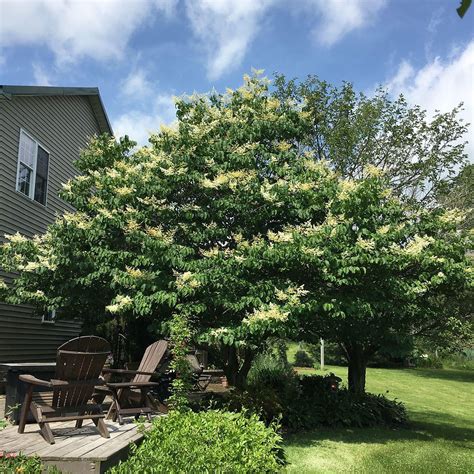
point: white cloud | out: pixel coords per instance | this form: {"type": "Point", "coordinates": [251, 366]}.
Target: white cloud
{"type": "Point", "coordinates": [440, 84]}
{"type": "Point", "coordinates": [337, 18]}
{"type": "Point", "coordinates": [42, 78]}
{"type": "Point", "coordinates": [139, 123]}
{"type": "Point", "coordinates": [137, 84]}
{"type": "Point", "coordinates": [225, 29]}
{"type": "Point", "coordinates": [72, 29]}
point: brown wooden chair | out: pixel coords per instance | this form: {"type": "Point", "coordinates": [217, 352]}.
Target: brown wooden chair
{"type": "Point", "coordinates": [200, 379]}
{"type": "Point", "coordinates": [79, 363]}
{"type": "Point", "coordinates": [133, 397]}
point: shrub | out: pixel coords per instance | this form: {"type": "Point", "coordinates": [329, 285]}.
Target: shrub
{"type": "Point", "coordinates": [429, 361]}
{"type": "Point", "coordinates": [323, 403]}
{"type": "Point", "coordinates": [317, 401]}
{"type": "Point", "coordinates": [208, 441]}
{"type": "Point", "coordinates": [271, 387]}
{"type": "Point", "coordinates": [12, 463]}
{"type": "Point", "coordinates": [303, 359]}
{"type": "Point", "coordinates": [460, 360]}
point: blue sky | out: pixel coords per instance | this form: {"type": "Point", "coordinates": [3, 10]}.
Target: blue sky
{"type": "Point", "coordinates": [141, 53]}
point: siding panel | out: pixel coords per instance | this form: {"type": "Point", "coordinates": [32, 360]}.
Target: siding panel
{"type": "Point", "coordinates": [63, 125]}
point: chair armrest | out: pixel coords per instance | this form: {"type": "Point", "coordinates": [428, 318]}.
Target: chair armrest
{"type": "Point", "coordinates": [132, 384]}
{"type": "Point", "coordinates": [31, 379]}
{"type": "Point", "coordinates": [55, 383]}
{"type": "Point", "coordinates": [126, 372]}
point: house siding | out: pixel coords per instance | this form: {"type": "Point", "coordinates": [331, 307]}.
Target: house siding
{"type": "Point", "coordinates": [63, 125]}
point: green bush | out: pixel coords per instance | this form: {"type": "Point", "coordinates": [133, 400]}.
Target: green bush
{"type": "Point", "coordinates": [11, 463]}
{"type": "Point", "coordinates": [303, 359]}
{"type": "Point", "coordinates": [271, 387]}
{"type": "Point", "coordinates": [209, 441]}
{"type": "Point", "coordinates": [429, 361]}
{"type": "Point", "coordinates": [317, 401]}
{"type": "Point", "coordinates": [323, 403]}
{"type": "Point", "coordinates": [460, 360]}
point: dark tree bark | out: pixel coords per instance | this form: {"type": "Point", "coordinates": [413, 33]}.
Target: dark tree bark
{"type": "Point", "coordinates": [357, 358]}
{"type": "Point", "coordinates": [237, 365]}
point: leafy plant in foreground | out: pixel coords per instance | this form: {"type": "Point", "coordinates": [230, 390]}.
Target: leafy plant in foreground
{"type": "Point", "coordinates": [211, 441]}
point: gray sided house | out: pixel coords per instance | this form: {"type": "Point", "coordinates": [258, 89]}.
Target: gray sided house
{"type": "Point", "coordinates": [42, 130]}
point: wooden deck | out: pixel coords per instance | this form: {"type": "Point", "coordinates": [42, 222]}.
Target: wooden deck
{"type": "Point", "coordinates": [75, 451]}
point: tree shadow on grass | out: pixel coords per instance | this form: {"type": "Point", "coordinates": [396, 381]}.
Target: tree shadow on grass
{"type": "Point", "coordinates": [452, 375]}
{"type": "Point", "coordinates": [438, 427]}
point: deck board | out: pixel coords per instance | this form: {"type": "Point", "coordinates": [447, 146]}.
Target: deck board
{"type": "Point", "coordinates": [75, 449]}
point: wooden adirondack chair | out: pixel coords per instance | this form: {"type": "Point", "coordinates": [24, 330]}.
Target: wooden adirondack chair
{"type": "Point", "coordinates": [199, 378]}
{"type": "Point", "coordinates": [133, 397]}
{"type": "Point", "coordinates": [79, 364]}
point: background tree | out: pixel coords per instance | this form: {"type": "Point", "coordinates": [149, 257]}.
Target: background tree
{"type": "Point", "coordinates": [374, 269]}
{"type": "Point", "coordinates": [352, 130]}
{"type": "Point", "coordinates": [459, 194]}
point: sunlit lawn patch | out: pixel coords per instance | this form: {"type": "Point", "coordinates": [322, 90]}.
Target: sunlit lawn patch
{"type": "Point", "coordinates": [440, 438]}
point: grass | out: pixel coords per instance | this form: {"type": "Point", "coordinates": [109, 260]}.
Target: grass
{"type": "Point", "coordinates": [440, 437]}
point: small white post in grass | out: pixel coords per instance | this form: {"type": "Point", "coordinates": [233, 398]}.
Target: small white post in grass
{"type": "Point", "coordinates": [322, 354]}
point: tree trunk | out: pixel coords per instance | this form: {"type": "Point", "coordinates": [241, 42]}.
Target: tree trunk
{"type": "Point", "coordinates": [357, 367]}
{"type": "Point", "coordinates": [236, 371]}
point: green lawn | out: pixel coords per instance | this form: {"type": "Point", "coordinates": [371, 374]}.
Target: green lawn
{"type": "Point", "coordinates": [440, 438]}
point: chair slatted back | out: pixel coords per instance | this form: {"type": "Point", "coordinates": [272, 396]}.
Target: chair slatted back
{"type": "Point", "coordinates": [151, 359]}
{"type": "Point", "coordinates": [80, 359]}
{"type": "Point", "coordinates": [194, 364]}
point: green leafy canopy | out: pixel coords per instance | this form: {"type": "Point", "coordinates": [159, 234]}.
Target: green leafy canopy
{"type": "Point", "coordinates": [240, 220]}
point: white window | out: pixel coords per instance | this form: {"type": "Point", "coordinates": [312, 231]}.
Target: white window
{"type": "Point", "coordinates": [33, 164]}
{"type": "Point", "coordinates": [49, 316]}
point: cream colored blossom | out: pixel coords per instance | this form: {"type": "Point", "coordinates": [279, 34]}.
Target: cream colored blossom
{"type": "Point", "coordinates": [186, 280]}
{"type": "Point", "coordinates": [121, 303]}
{"type": "Point", "coordinates": [453, 216]}
{"type": "Point", "coordinates": [417, 245]}
{"type": "Point", "coordinates": [301, 186]}
{"type": "Point", "coordinates": [16, 238]}
{"type": "Point", "coordinates": [46, 262]}
{"type": "Point", "coordinates": [3, 285]}
{"type": "Point", "coordinates": [312, 251]}
{"type": "Point", "coordinates": [332, 220]}
{"type": "Point", "coordinates": [96, 201]}
{"type": "Point", "coordinates": [209, 253]}
{"type": "Point", "coordinates": [132, 225]}
{"type": "Point", "coordinates": [218, 332]}
{"type": "Point", "coordinates": [373, 170]}
{"type": "Point", "coordinates": [273, 103]}
{"type": "Point", "coordinates": [134, 272]}
{"type": "Point", "coordinates": [105, 213]}
{"type": "Point", "coordinates": [266, 192]}
{"type": "Point", "coordinates": [348, 186]}
{"type": "Point", "coordinates": [84, 225]}
{"type": "Point", "coordinates": [280, 236]}
{"type": "Point", "coordinates": [31, 266]}
{"type": "Point", "coordinates": [291, 295]}
{"type": "Point", "coordinates": [124, 191]}
{"type": "Point", "coordinates": [270, 313]}
{"type": "Point", "coordinates": [383, 230]}
{"type": "Point", "coordinates": [284, 146]}
{"type": "Point", "coordinates": [319, 166]}
{"type": "Point", "coordinates": [366, 244]}
{"type": "Point", "coordinates": [112, 173]}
